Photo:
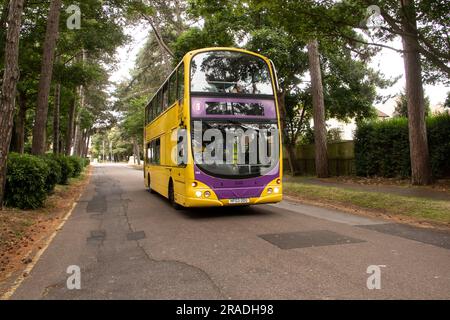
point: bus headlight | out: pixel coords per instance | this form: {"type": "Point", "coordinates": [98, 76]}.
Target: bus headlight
{"type": "Point", "coordinates": [276, 189]}
{"type": "Point", "coordinates": [269, 191]}
{"type": "Point", "coordinates": [198, 194]}
{"type": "Point", "coordinates": [207, 194]}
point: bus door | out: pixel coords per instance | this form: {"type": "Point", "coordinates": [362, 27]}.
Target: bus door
{"type": "Point", "coordinates": [178, 160]}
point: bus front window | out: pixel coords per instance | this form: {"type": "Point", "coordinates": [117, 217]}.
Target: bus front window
{"type": "Point", "coordinates": [230, 72]}
{"type": "Point", "coordinates": [235, 149]}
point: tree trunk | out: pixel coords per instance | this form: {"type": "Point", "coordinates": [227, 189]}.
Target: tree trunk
{"type": "Point", "coordinates": [8, 93]}
{"type": "Point", "coordinates": [138, 154]}
{"type": "Point", "coordinates": [282, 110]}
{"type": "Point", "coordinates": [137, 157]}
{"type": "Point", "coordinates": [70, 126]}
{"type": "Point", "coordinates": [418, 144]}
{"type": "Point", "coordinates": [320, 131]}
{"type": "Point", "coordinates": [86, 145]}
{"type": "Point", "coordinates": [76, 136]}
{"type": "Point", "coordinates": [56, 114]}
{"type": "Point", "coordinates": [292, 158]}
{"type": "Point", "coordinates": [51, 35]}
{"type": "Point", "coordinates": [78, 131]}
{"type": "Point", "coordinates": [20, 123]}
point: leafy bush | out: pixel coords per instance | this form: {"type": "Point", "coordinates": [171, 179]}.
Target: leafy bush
{"type": "Point", "coordinates": [77, 164]}
{"type": "Point", "coordinates": [66, 168]}
{"type": "Point", "coordinates": [54, 174]}
{"type": "Point", "coordinates": [382, 147]}
{"type": "Point", "coordinates": [26, 181]}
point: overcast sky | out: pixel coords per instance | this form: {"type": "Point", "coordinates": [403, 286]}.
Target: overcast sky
{"type": "Point", "coordinates": [387, 61]}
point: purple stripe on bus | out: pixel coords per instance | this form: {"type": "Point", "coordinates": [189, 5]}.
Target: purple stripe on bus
{"type": "Point", "coordinates": [237, 188]}
{"type": "Point", "coordinates": [269, 107]}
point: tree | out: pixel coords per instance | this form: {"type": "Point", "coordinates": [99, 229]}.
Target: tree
{"type": "Point", "coordinates": [133, 126]}
{"type": "Point", "coordinates": [296, 123]}
{"type": "Point", "coordinates": [56, 123]}
{"type": "Point", "coordinates": [401, 106]}
{"type": "Point", "coordinates": [422, 27]}
{"type": "Point", "coordinates": [51, 35]}
{"type": "Point", "coordinates": [418, 143]}
{"type": "Point", "coordinates": [9, 83]}
{"type": "Point", "coordinates": [320, 130]}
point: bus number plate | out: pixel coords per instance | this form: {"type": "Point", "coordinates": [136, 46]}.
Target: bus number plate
{"type": "Point", "coordinates": [240, 200]}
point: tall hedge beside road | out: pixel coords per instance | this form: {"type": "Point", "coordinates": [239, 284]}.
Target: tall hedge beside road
{"type": "Point", "coordinates": [29, 179]}
{"type": "Point", "coordinates": [382, 147]}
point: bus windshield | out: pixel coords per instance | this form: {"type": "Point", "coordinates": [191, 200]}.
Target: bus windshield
{"type": "Point", "coordinates": [251, 153]}
{"type": "Point", "coordinates": [230, 72]}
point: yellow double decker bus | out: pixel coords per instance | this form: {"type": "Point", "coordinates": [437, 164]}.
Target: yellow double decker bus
{"type": "Point", "coordinates": [211, 131]}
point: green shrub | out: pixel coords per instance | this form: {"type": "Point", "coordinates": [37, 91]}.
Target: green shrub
{"type": "Point", "coordinates": [77, 164]}
{"type": "Point", "coordinates": [66, 168]}
{"type": "Point", "coordinates": [382, 147]}
{"type": "Point", "coordinates": [26, 177]}
{"type": "Point", "coordinates": [54, 175]}
{"type": "Point", "coordinates": [86, 162]}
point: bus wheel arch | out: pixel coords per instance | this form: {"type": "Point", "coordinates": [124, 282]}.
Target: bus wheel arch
{"type": "Point", "coordinates": [171, 195]}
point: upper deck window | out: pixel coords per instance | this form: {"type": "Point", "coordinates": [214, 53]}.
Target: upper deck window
{"type": "Point", "coordinates": [230, 72]}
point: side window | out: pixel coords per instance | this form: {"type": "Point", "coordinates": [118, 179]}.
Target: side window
{"type": "Point", "coordinates": [149, 153]}
{"type": "Point", "coordinates": [159, 102]}
{"type": "Point", "coordinates": [180, 87]}
{"type": "Point", "coordinates": [152, 110]}
{"type": "Point", "coordinates": [157, 154]}
{"type": "Point", "coordinates": [172, 88]}
{"type": "Point", "coordinates": [165, 95]}
{"type": "Point", "coordinates": [146, 115]}
{"type": "Point", "coordinates": [153, 151]}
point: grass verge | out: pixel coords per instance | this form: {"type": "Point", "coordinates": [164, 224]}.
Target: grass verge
{"type": "Point", "coordinates": [418, 209]}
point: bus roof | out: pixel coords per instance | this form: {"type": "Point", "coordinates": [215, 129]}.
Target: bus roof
{"type": "Point", "coordinates": [194, 52]}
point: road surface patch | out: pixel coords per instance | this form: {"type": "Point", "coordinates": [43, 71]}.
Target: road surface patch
{"type": "Point", "coordinates": [96, 236]}
{"type": "Point", "coordinates": [97, 204]}
{"type": "Point", "coordinates": [138, 235]}
{"type": "Point", "coordinates": [307, 239]}
{"type": "Point", "coordinates": [434, 237]}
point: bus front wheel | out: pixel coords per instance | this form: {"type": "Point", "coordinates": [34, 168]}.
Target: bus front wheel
{"type": "Point", "coordinates": [175, 205]}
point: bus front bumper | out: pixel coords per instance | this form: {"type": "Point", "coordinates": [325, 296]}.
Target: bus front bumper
{"type": "Point", "coordinates": [204, 202]}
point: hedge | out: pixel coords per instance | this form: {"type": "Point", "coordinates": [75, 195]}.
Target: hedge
{"type": "Point", "coordinates": [382, 147]}
{"type": "Point", "coordinates": [54, 174]}
{"type": "Point", "coordinates": [66, 167]}
{"type": "Point", "coordinates": [26, 177]}
{"type": "Point", "coordinates": [86, 162]}
{"type": "Point", "coordinates": [29, 179]}
{"type": "Point", "coordinates": [77, 164]}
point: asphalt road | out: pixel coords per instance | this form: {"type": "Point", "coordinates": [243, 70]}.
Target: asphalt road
{"type": "Point", "coordinates": [130, 244]}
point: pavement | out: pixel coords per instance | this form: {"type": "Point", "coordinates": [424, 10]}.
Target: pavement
{"type": "Point", "coordinates": [130, 244]}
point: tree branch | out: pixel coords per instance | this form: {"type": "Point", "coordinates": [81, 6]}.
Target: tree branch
{"type": "Point", "coordinates": [158, 35]}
